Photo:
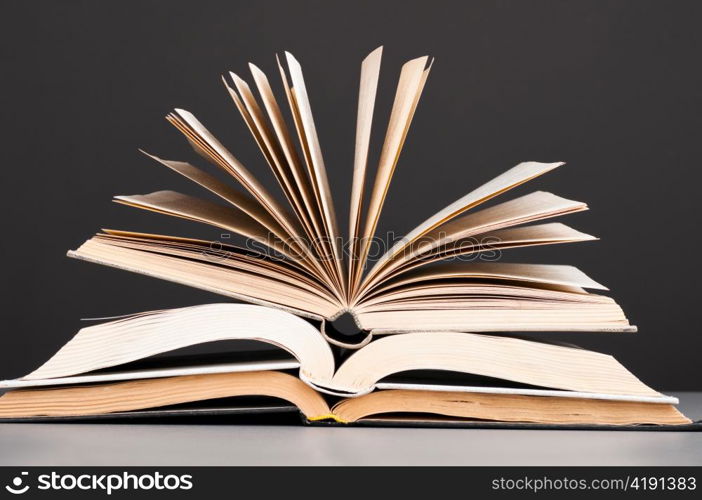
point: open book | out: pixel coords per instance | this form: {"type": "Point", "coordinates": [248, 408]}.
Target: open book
{"type": "Point", "coordinates": [495, 378]}
{"type": "Point", "coordinates": [440, 276]}
{"type": "Point", "coordinates": [435, 285]}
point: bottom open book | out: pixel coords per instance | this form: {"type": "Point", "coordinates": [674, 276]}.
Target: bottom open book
{"type": "Point", "coordinates": [393, 405]}
{"type": "Point", "coordinates": [122, 368]}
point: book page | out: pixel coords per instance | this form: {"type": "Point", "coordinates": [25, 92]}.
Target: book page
{"type": "Point", "coordinates": [155, 393]}
{"type": "Point", "coordinates": [207, 212]}
{"type": "Point", "coordinates": [119, 375]}
{"type": "Point", "coordinates": [242, 201]}
{"type": "Point", "coordinates": [204, 273]}
{"type": "Point", "coordinates": [300, 182]}
{"type": "Point", "coordinates": [138, 337]}
{"type": "Point", "coordinates": [523, 361]}
{"type": "Point", "coordinates": [489, 243]}
{"type": "Point", "coordinates": [370, 73]}
{"type": "Point", "coordinates": [409, 89]}
{"type": "Point", "coordinates": [529, 273]}
{"type": "Point", "coordinates": [500, 184]}
{"type": "Point", "coordinates": [215, 152]}
{"type": "Point", "coordinates": [253, 116]}
{"type": "Point", "coordinates": [226, 256]}
{"type": "Point", "coordinates": [497, 316]}
{"type": "Point", "coordinates": [510, 408]}
{"type": "Point", "coordinates": [529, 208]}
{"type": "Point", "coordinates": [270, 148]}
{"type": "Point", "coordinates": [317, 170]}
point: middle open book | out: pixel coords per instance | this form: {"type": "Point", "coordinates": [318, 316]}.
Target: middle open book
{"type": "Point", "coordinates": [496, 378]}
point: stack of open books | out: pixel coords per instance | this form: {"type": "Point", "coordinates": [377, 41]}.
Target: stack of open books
{"type": "Point", "coordinates": [437, 312]}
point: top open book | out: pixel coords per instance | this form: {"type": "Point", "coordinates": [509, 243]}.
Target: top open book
{"type": "Point", "coordinates": [429, 280]}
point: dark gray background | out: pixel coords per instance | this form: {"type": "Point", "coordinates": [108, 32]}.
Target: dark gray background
{"type": "Point", "coordinates": [613, 88]}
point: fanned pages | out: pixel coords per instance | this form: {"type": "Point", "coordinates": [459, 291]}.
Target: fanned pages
{"type": "Point", "coordinates": [207, 212]}
{"type": "Point", "coordinates": [421, 283]}
{"type": "Point", "coordinates": [242, 201]}
{"type": "Point", "coordinates": [297, 178]}
{"type": "Point", "coordinates": [278, 150]}
{"type": "Point", "coordinates": [490, 245]}
{"type": "Point", "coordinates": [218, 154]}
{"type": "Point", "coordinates": [530, 208]}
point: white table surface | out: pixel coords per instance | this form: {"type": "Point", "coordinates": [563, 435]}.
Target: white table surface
{"type": "Point", "coordinates": [176, 444]}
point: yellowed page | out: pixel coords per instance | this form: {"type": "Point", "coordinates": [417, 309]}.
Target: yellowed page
{"type": "Point", "coordinates": [451, 295]}
{"type": "Point", "coordinates": [154, 393]}
{"type": "Point", "coordinates": [229, 281]}
{"type": "Point", "coordinates": [370, 73]}
{"type": "Point", "coordinates": [529, 208]}
{"type": "Point", "coordinates": [508, 180]}
{"type": "Point", "coordinates": [318, 170]}
{"type": "Point", "coordinates": [300, 182]}
{"type": "Point", "coordinates": [509, 408]}
{"type": "Point", "coordinates": [218, 154]}
{"type": "Point", "coordinates": [268, 144]}
{"type": "Point", "coordinates": [535, 273]}
{"type": "Point", "coordinates": [143, 335]}
{"type": "Point", "coordinates": [224, 257]}
{"type": "Point", "coordinates": [253, 116]}
{"type": "Point", "coordinates": [485, 243]}
{"type": "Point", "coordinates": [409, 89]}
{"type": "Point", "coordinates": [223, 253]}
{"type": "Point", "coordinates": [321, 243]}
{"type": "Point", "coordinates": [207, 212]}
{"type": "Point", "coordinates": [243, 201]}
{"type": "Point", "coordinates": [497, 316]}
{"type": "Point", "coordinates": [523, 361]}
{"type": "Point", "coordinates": [310, 206]}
